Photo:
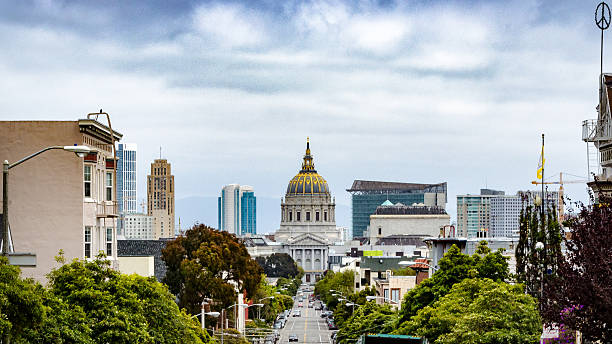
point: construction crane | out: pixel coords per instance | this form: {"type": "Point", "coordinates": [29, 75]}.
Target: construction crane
{"type": "Point", "coordinates": [560, 209]}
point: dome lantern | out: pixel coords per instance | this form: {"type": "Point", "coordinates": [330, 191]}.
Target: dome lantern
{"type": "Point", "coordinates": [308, 181]}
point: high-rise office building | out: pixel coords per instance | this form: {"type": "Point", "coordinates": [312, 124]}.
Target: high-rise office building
{"type": "Point", "coordinates": [493, 214]}
{"type": "Point", "coordinates": [160, 199]}
{"type": "Point", "coordinates": [126, 182]}
{"type": "Point", "coordinates": [505, 213]}
{"type": "Point", "coordinates": [126, 178]}
{"type": "Point", "coordinates": [368, 195]}
{"type": "Point", "coordinates": [237, 209]}
{"type": "Point", "coordinates": [474, 212]}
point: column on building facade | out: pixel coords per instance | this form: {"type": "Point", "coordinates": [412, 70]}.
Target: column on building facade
{"type": "Point", "coordinates": [312, 264]}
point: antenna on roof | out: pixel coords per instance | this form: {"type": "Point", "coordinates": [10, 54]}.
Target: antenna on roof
{"type": "Point", "coordinates": [159, 152]}
{"type": "Point", "coordinates": [602, 19]}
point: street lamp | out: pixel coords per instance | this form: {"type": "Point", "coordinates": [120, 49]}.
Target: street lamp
{"type": "Point", "coordinates": [539, 246]}
{"type": "Point", "coordinates": [371, 298]}
{"type": "Point", "coordinates": [353, 304]}
{"type": "Point", "coordinates": [80, 151]}
{"type": "Point", "coordinates": [259, 309]}
{"type": "Point", "coordinates": [224, 312]}
{"type": "Point", "coordinates": [258, 305]}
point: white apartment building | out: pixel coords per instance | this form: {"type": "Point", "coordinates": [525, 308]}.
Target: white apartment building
{"type": "Point", "coordinates": [138, 227]}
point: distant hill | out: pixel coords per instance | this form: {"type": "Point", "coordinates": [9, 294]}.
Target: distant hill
{"type": "Point", "coordinates": [204, 210]}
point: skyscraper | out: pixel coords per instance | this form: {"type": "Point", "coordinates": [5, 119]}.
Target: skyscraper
{"type": "Point", "coordinates": [237, 209]}
{"type": "Point", "coordinates": [126, 183]}
{"type": "Point", "coordinates": [160, 199]}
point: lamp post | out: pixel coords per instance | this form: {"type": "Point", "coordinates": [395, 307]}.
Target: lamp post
{"type": "Point", "coordinates": [353, 304]}
{"type": "Point", "coordinates": [259, 309]}
{"type": "Point", "coordinates": [80, 151]}
{"type": "Point", "coordinates": [539, 246]}
{"type": "Point", "coordinates": [224, 312]}
{"type": "Point", "coordinates": [371, 298]}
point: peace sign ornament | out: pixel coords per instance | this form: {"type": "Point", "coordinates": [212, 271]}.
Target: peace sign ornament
{"type": "Point", "coordinates": [602, 16]}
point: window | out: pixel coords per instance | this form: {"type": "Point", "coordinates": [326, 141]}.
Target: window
{"type": "Point", "coordinates": [317, 216]}
{"type": "Point", "coordinates": [379, 230]}
{"type": "Point", "coordinates": [386, 293]}
{"type": "Point", "coordinates": [109, 186]}
{"type": "Point", "coordinates": [297, 216]}
{"type": "Point", "coordinates": [87, 180]}
{"type": "Point", "coordinates": [290, 216]}
{"type": "Point", "coordinates": [87, 241]}
{"type": "Point", "coordinates": [109, 241]}
{"type": "Point", "coordinates": [325, 216]}
{"type": "Point", "coordinates": [395, 295]}
{"type": "Point", "coordinates": [307, 216]}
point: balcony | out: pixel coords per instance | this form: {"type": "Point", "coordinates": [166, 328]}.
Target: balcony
{"type": "Point", "coordinates": [106, 209]}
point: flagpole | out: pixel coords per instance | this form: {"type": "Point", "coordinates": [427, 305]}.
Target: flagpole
{"type": "Point", "coordinates": [543, 198]}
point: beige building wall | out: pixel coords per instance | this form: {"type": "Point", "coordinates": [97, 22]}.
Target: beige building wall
{"type": "Point", "coordinates": [426, 225]}
{"type": "Point", "coordinates": [143, 266]}
{"type": "Point", "coordinates": [47, 208]}
{"type": "Point", "coordinates": [160, 199]}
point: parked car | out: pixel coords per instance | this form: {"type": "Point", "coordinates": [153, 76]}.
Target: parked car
{"type": "Point", "coordinates": [293, 338]}
{"type": "Point", "coordinates": [331, 324]}
{"type": "Point", "coordinates": [318, 307]}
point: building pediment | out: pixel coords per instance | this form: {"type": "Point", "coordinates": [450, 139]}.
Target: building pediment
{"type": "Point", "coordinates": [308, 239]}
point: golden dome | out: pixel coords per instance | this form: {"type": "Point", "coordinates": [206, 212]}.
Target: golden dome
{"type": "Point", "coordinates": [307, 181]}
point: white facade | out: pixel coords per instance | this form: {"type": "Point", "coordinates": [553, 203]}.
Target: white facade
{"type": "Point", "coordinates": [425, 225]}
{"type": "Point", "coordinates": [229, 207]}
{"type": "Point", "coordinates": [138, 226]}
{"type": "Point", "coordinates": [505, 213]}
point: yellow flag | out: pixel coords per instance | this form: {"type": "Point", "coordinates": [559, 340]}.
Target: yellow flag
{"type": "Point", "coordinates": [541, 164]}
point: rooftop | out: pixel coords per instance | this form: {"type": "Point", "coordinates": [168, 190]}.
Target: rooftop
{"type": "Point", "coordinates": [400, 209]}
{"type": "Point", "coordinates": [369, 185]}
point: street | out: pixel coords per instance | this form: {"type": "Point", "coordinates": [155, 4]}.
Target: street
{"type": "Point", "coordinates": [309, 327]}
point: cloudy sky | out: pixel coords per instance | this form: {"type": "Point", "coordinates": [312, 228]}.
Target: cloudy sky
{"type": "Point", "coordinates": [410, 91]}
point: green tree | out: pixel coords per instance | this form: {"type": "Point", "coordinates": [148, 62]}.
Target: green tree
{"type": "Point", "coordinates": [278, 265]}
{"type": "Point", "coordinates": [206, 263]}
{"type": "Point", "coordinates": [367, 318]}
{"type": "Point", "coordinates": [531, 263]}
{"type": "Point", "coordinates": [343, 312]}
{"type": "Point", "coordinates": [21, 302]}
{"type": "Point", "coordinates": [342, 282]}
{"type": "Point", "coordinates": [454, 267]}
{"type": "Point", "coordinates": [478, 310]}
{"type": "Point", "coordinates": [109, 307]}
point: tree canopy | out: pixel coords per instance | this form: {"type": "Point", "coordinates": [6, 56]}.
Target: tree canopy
{"type": "Point", "coordinates": [454, 267]}
{"type": "Point", "coordinates": [21, 302]}
{"type": "Point", "coordinates": [278, 265]}
{"type": "Point", "coordinates": [478, 310]}
{"type": "Point", "coordinates": [206, 263]}
{"type": "Point", "coordinates": [87, 302]}
{"type": "Point", "coordinates": [368, 318]}
{"type": "Point", "coordinates": [580, 295]}
{"type": "Point", "coordinates": [334, 282]}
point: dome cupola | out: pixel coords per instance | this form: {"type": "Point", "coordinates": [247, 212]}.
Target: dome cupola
{"type": "Point", "coordinates": [307, 181]}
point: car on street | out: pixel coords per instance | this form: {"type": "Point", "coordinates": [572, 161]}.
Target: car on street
{"type": "Point", "coordinates": [293, 338]}
{"type": "Point", "coordinates": [331, 324]}
{"type": "Point", "coordinates": [300, 304]}
{"type": "Point", "coordinates": [297, 313]}
{"type": "Point", "coordinates": [318, 307]}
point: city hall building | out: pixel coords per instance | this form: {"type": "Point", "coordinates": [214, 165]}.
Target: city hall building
{"type": "Point", "coordinates": [308, 220]}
